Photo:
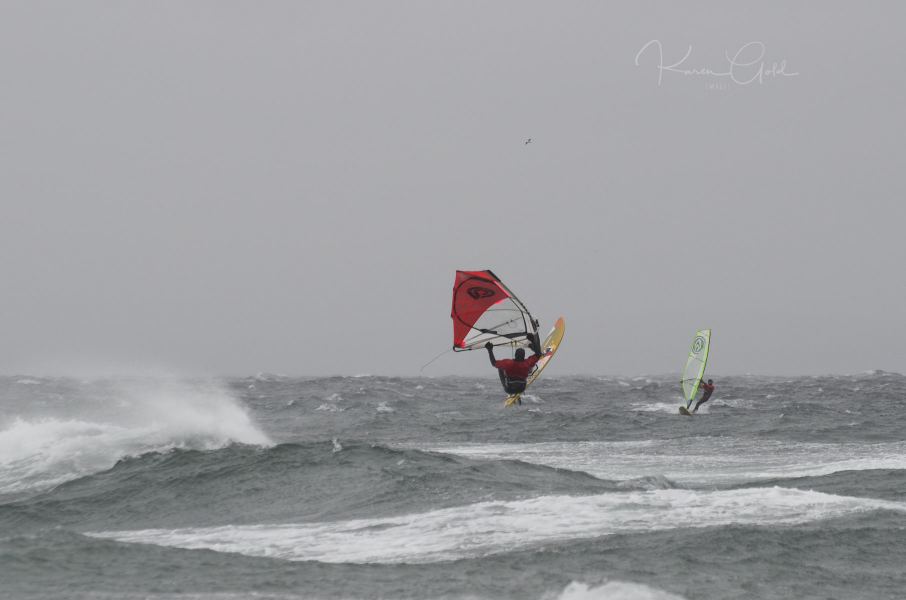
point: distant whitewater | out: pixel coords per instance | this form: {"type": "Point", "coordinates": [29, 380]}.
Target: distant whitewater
{"type": "Point", "coordinates": [381, 487]}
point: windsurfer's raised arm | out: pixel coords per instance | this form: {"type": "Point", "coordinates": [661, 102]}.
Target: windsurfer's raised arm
{"type": "Point", "coordinates": [490, 348]}
{"type": "Point", "coordinates": [533, 344]}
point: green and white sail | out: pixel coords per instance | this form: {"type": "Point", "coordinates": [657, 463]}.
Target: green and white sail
{"type": "Point", "coordinates": [695, 364]}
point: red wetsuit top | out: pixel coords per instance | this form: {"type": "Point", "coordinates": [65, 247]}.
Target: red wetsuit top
{"type": "Point", "coordinates": [517, 370]}
{"type": "Point", "coordinates": [707, 388]}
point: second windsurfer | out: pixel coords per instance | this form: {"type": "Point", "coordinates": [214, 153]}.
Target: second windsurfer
{"type": "Point", "coordinates": [707, 390]}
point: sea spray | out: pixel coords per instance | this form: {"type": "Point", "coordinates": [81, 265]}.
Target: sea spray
{"type": "Point", "coordinates": [126, 418]}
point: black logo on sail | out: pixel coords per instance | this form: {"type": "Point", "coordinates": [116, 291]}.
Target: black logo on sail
{"type": "Point", "coordinates": [480, 292]}
{"type": "Point", "coordinates": [698, 344]}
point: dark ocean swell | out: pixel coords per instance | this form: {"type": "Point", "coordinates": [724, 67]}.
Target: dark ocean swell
{"type": "Point", "coordinates": [312, 481]}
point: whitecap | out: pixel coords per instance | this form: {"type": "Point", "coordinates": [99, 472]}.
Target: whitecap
{"type": "Point", "coordinates": [693, 460]}
{"type": "Point", "coordinates": [146, 416]}
{"type": "Point", "coordinates": [614, 590]}
{"type": "Point", "coordinates": [488, 528]}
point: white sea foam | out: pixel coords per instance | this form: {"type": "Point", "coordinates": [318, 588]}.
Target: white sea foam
{"type": "Point", "coordinates": [733, 403]}
{"type": "Point", "coordinates": [488, 528]}
{"type": "Point", "coordinates": [269, 377]}
{"type": "Point", "coordinates": [39, 452]}
{"type": "Point", "coordinates": [673, 407]}
{"type": "Point", "coordinates": [695, 460]}
{"type": "Point", "coordinates": [664, 407]}
{"type": "Point", "coordinates": [614, 590]}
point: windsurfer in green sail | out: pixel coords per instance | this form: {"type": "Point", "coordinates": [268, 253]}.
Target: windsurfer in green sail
{"type": "Point", "coordinates": [694, 372]}
{"type": "Point", "coordinates": [707, 389]}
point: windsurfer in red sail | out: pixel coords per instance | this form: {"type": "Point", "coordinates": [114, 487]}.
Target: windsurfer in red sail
{"type": "Point", "coordinates": [514, 373]}
{"type": "Point", "coordinates": [485, 312]}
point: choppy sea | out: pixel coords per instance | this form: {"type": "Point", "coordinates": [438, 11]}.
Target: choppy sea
{"type": "Point", "coordinates": [377, 487]}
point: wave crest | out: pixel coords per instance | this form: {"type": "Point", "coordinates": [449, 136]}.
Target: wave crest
{"type": "Point", "coordinates": [40, 452]}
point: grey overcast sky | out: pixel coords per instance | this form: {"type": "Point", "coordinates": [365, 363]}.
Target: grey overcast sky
{"type": "Point", "coordinates": [232, 187]}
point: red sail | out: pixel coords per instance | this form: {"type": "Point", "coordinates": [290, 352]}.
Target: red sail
{"type": "Point", "coordinates": [474, 292]}
{"type": "Point", "coordinates": [485, 310]}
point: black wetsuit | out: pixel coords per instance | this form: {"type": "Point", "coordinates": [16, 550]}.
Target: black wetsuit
{"type": "Point", "coordinates": [707, 390]}
{"type": "Point", "coordinates": [511, 386]}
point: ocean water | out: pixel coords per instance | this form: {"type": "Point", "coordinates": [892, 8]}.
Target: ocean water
{"type": "Point", "coordinates": [378, 487]}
